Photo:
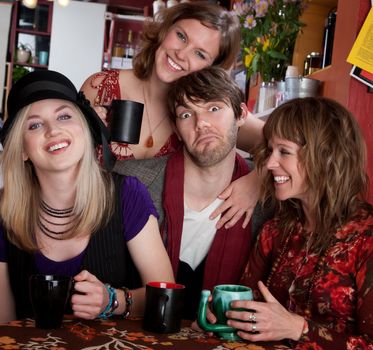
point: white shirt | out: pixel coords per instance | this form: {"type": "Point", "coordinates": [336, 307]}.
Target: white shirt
{"type": "Point", "coordinates": [198, 233]}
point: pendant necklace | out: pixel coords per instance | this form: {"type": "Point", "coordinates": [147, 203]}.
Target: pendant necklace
{"type": "Point", "coordinates": [150, 140]}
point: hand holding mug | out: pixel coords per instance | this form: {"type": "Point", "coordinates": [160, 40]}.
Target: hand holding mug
{"type": "Point", "coordinates": [102, 112]}
{"type": "Point", "coordinates": [222, 297]}
{"type": "Point", "coordinates": [91, 297]}
{"type": "Point", "coordinates": [264, 321]}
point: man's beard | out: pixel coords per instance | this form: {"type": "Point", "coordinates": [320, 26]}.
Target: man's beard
{"type": "Point", "coordinates": [211, 156]}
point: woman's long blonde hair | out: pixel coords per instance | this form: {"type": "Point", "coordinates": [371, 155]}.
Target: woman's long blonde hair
{"type": "Point", "coordinates": [333, 155]}
{"type": "Point", "coordinates": [20, 197]}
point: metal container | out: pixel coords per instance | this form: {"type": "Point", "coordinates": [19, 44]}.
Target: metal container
{"type": "Point", "coordinates": [301, 87]}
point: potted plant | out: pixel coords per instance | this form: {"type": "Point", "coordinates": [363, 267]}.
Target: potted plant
{"type": "Point", "coordinates": [269, 30]}
{"type": "Point", "coordinates": [23, 53]}
{"type": "Point", "coordinates": [19, 72]}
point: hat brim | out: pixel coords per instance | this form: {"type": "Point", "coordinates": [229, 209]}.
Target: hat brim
{"type": "Point", "coordinates": [42, 85]}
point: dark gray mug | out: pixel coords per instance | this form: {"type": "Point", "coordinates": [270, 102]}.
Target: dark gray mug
{"type": "Point", "coordinates": [163, 307]}
{"type": "Point", "coordinates": [49, 295]}
{"type": "Point", "coordinates": [125, 118]}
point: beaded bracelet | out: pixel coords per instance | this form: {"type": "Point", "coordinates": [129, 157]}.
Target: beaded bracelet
{"type": "Point", "coordinates": [129, 302]}
{"type": "Point", "coordinates": [112, 304]}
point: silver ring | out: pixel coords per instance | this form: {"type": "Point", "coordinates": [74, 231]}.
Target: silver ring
{"type": "Point", "coordinates": [252, 317]}
{"type": "Point", "coordinates": [253, 328]}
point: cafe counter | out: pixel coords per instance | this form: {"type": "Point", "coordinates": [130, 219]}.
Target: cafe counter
{"type": "Point", "coordinates": [113, 333]}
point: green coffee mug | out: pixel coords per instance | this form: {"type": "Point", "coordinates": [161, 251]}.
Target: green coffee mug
{"type": "Point", "coordinates": [222, 297]}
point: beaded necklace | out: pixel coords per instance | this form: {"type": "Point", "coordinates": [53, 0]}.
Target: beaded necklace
{"type": "Point", "coordinates": [317, 271]}
{"type": "Point", "coordinates": [54, 213]}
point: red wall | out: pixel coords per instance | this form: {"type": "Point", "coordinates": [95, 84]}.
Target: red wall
{"type": "Point", "coordinates": [360, 103]}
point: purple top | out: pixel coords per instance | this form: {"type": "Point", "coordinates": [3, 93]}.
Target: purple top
{"type": "Point", "coordinates": [137, 206]}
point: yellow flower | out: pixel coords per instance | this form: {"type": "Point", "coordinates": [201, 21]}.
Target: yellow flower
{"type": "Point", "coordinates": [265, 44]}
{"type": "Point", "coordinates": [248, 59]}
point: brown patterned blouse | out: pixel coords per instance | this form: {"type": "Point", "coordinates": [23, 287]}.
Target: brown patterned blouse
{"type": "Point", "coordinates": [333, 292]}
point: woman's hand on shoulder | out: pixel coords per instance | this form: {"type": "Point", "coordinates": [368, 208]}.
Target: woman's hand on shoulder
{"type": "Point", "coordinates": [240, 198]}
{"type": "Point", "coordinates": [92, 297]}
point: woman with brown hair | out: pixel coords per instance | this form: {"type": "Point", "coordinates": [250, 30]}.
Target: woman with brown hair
{"type": "Point", "coordinates": [184, 38]}
{"type": "Point", "coordinates": [313, 262]}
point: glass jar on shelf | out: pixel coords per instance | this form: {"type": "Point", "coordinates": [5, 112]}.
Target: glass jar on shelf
{"type": "Point", "coordinates": [118, 49]}
{"type": "Point", "coordinates": [267, 96]}
{"type": "Point", "coordinates": [129, 50]}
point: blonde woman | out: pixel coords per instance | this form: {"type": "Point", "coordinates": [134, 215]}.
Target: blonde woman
{"type": "Point", "coordinates": [62, 214]}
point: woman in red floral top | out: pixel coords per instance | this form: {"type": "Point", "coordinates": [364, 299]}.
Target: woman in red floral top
{"type": "Point", "coordinates": [313, 263]}
{"type": "Point", "coordinates": [185, 38]}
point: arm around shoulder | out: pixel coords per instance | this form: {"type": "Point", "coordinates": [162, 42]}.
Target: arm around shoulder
{"type": "Point", "coordinates": [250, 134]}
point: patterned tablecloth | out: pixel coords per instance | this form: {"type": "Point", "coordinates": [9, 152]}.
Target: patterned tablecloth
{"type": "Point", "coordinates": [112, 334]}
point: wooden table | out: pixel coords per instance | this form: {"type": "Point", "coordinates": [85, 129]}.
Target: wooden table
{"type": "Point", "coordinates": [112, 334]}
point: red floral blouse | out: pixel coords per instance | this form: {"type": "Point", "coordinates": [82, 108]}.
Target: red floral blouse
{"type": "Point", "coordinates": [333, 293]}
{"type": "Point", "coordinates": [109, 89]}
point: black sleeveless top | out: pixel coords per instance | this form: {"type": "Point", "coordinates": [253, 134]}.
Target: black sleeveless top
{"type": "Point", "coordinates": [106, 257]}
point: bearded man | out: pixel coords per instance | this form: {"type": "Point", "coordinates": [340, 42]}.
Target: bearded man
{"type": "Point", "coordinates": [207, 109]}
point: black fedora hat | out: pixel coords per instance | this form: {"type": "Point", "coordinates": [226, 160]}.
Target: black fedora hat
{"type": "Point", "coordinates": [47, 84]}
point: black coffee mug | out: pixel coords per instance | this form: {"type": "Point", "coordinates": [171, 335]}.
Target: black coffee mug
{"type": "Point", "coordinates": [48, 295]}
{"type": "Point", "coordinates": [163, 307]}
{"type": "Point", "coordinates": [125, 118]}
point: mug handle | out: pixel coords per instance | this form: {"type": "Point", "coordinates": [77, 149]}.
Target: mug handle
{"type": "Point", "coordinates": [162, 309]}
{"type": "Point", "coordinates": [202, 321]}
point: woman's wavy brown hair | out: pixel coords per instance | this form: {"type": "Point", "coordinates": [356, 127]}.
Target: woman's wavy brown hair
{"type": "Point", "coordinates": [333, 154]}
{"type": "Point", "coordinates": [209, 14]}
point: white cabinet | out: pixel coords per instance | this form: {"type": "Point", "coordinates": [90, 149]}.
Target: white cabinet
{"type": "Point", "coordinates": [77, 40]}
{"type": "Point", "coordinates": [5, 13]}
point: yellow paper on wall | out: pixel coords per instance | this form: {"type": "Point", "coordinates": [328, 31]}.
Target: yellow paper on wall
{"type": "Point", "coordinates": [361, 54]}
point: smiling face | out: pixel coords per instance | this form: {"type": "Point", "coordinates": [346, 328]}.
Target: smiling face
{"type": "Point", "coordinates": [188, 46]}
{"type": "Point", "coordinates": [53, 136]}
{"type": "Point", "coordinates": [208, 130]}
{"type": "Point", "coordinates": [288, 172]}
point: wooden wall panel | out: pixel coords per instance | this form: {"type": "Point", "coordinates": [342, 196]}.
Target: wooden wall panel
{"type": "Point", "coordinates": [360, 102]}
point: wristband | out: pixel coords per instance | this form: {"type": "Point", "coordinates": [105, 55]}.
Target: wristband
{"type": "Point", "coordinates": [129, 302]}
{"type": "Point", "coordinates": [112, 304]}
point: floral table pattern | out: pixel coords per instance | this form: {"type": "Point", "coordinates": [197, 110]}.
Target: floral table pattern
{"type": "Point", "coordinates": [111, 334]}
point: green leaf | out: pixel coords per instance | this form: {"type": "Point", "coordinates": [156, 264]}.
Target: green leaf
{"type": "Point", "coordinates": [276, 54]}
{"type": "Point", "coordinates": [254, 63]}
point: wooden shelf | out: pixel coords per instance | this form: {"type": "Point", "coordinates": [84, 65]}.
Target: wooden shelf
{"type": "Point", "coordinates": [32, 32]}
{"type": "Point", "coordinates": [25, 29]}
{"type": "Point", "coordinates": [310, 39]}
{"type": "Point", "coordinates": [33, 65]}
